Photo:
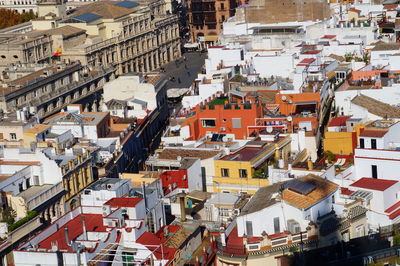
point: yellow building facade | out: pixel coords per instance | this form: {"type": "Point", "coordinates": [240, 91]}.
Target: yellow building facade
{"type": "Point", "coordinates": [77, 175]}
{"type": "Point", "coordinates": [342, 143]}
{"type": "Point", "coordinates": [245, 171]}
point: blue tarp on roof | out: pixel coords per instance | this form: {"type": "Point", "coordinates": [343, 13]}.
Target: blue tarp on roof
{"type": "Point", "coordinates": [127, 4]}
{"type": "Point", "coordinates": [87, 17]}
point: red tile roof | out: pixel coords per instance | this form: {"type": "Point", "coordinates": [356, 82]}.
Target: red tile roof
{"type": "Point", "coordinates": [346, 191]}
{"type": "Point", "coordinates": [328, 36]}
{"type": "Point", "coordinates": [123, 202]}
{"type": "Point", "coordinates": [311, 52]}
{"type": "Point", "coordinates": [374, 184]}
{"type": "Point", "coordinates": [355, 10]}
{"type": "Point", "coordinates": [393, 207]}
{"type": "Point", "coordinates": [394, 215]}
{"type": "Point", "coordinates": [151, 241]}
{"type": "Point", "coordinates": [373, 133]}
{"type": "Point", "coordinates": [338, 121]}
{"type": "Point", "coordinates": [93, 223]}
{"type": "Point", "coordinates": [306, 62]}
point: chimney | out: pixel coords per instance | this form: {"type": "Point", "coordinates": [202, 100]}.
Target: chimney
{"type": "Point", "coordinates": [182, 204]}
{"type": "Point", "coordinates": [84, 228]}
{"type": "Point", "coordinates": [310, 165]}
{"type": "Point", "coordinates": [67, 237]}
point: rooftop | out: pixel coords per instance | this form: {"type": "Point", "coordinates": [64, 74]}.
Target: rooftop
{"type": "Point", "coordinates": [123, 202]}
{"type": "Point", "coordinates": [93, 223]}
{"type": "Point", "coordinates": [87, 118]}
{"type": "Point", "coordinates": [104, 184]}
{"type": "Point", "coordinates": [244, 154]}
{"type": "Point", "coordinates": [262, 199]}
{"type": "Point", "coordinates": [373, 133]}
{"type": "Point", "coordinates": [173, 154]}
{"type": "Point", "coordinates": [376, 107]}
{"type": "Point", "coordinates": [103, 9]}
{"type": "Point", "coordinates": [374, 184]}
{"type": "Point", "coordinates": [322, 189]}
{"type": "Point", "coordinates": [386, 47]}
{"type": "Point", "coordinates": [338, 121]}
{"type": "Point", "coordinates": [38, 128]}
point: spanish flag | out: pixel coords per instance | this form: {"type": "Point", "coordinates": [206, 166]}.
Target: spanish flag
{"type": "Point", "coordinates": [58, 51]}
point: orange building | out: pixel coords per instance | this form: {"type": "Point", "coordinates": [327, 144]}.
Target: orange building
{"type": "Point", "coordinates": [223, 117]}
{"type": "Point", "coordinates": [301, 107]}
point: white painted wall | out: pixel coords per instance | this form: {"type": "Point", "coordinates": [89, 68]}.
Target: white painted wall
{"type": "Point", "coordinates": [385, 160]}
{"type": "Point", "coordinates": [280, 66]}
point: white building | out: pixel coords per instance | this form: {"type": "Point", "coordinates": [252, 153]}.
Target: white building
{"type": "Point", "coordinates": [381, 196]}
{"type": "Point", "coordinates": [270, 212]}
{"type": "Point", "coordinates": [101, 191]}
{"type": "Point", "coordinates": [378, 154]}
{"type": "Point", "coordinates": [133, 95]}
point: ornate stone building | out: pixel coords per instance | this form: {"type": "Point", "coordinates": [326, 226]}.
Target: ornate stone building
{"type": "Point", "coordinates": [131, 36]}
{"type": "Point", "coordinates": [46, 89]}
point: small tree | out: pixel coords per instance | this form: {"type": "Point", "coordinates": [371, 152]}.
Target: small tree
{"type": "Point", "coordinates": [329, 156]}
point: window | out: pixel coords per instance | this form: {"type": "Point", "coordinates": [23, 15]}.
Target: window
{"type": "Point", "coordinates": [223, 212]}
{"type": "Point", "coordinates": [222, 6]}
{"type": "Point", "coordinates": [243, 173]}
{"type": "Point", "coordinates": [236, 122]}
{"type": "Point", "coordinates": [208, 122]}
{"type": "Point", "coordinates": [333, 199]}
{"type": "Point", "coordinates": [374, 170]}
{"type": "Point", "coordinates": [249, 228]}
{"type": "Point", "coordinates": [13, 136]}
{"type": "Point", "coordinates": [224, 172]}
{"type": "Point", "coordinates": [362, 143]}
{"type": "Point", "coordinates": [277, 228]}
{"type": "Point", "coordinates": [27, 183]}
{"type": "Point", "coordinates": [373, 144]}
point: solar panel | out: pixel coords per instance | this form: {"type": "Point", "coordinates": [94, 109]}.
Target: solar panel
{"type": "Point", "coordinates": [214, 137]}
{"type": "Point", "coordinates": [87, 17]}
{"type": "Point", "coordinates": [127, 4]}
{"type": "Point", "coordinates": [300, 187]}
{"type": "Point", "coordinates": [220, 136]}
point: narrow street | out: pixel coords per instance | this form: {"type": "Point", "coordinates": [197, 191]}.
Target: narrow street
{"type": "Point", "coordinates": [186, 76]}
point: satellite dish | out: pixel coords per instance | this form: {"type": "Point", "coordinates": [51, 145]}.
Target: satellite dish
{"type": "Point", "coordinates": [283, 98]}
{"type": "Point", "coordinates": [289, 101]}
{"type": "Point", "coordinates": [289, 118]}
{"type": "Point", "coordinates": [269, 129]}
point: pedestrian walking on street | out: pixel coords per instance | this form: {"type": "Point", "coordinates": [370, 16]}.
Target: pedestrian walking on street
{"type": "Point", "coordinates": [179, 80]}
{"type": "Point", "coordinates": [186, 66]}
{"type": "Point", "coordinates": [188, 73]}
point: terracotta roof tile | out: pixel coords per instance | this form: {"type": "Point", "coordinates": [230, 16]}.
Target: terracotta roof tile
{"type": "Point", "coordinates": [374, 184]}
{"type": "Point", "coordinates": [323, 188]}
{"type": "Point", "coordinates": [172, 154]}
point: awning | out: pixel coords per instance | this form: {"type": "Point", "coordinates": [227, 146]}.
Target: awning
{"type": "Point", "coordinates": [191, 45]}
{"type": "Point", "coordinates": [306, 103]}
{"type": "Point", "coordinates": [211, 38]}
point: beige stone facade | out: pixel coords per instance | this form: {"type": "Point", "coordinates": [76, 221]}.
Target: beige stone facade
{"type": "Point", "coordinates": [272, 11]}
{"type": "Point", "coordinates": [131, 36]}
